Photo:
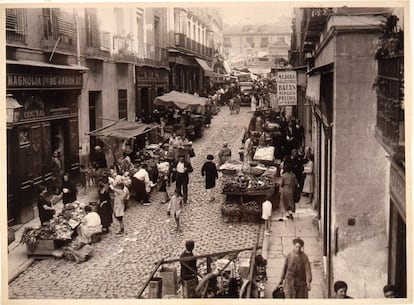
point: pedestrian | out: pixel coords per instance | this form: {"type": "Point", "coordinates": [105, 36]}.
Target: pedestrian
{"type": "Point", "coordinates": [119, 205]}
{"type": "Point", "coordinates": [390, 291]}
{"type": "Point", "coordinates": [308, 184]}
{"type": "Point", "coordinates": [163, 170]}
{"type": "Point", "coordinates": [253, 103]}
{"type": "Point", "coordinates": [288, 185]}
{"type": "Point", "coordinates": [181, 170]}
{"type": "Point", "coordinates": [140, 184]}
{"type": "Point", "coordinates": [224, 154]}
{"type": "Point", "coordinates": [104, 206]}
{"type": "Point", "coordinates": [248, 148]}
{"type": "Point", "coordinates": [99, 158]}
{"type": "Point", "coordinates": [298, 133]}
{"type": "Point", "coordinates": [341, 289]}
{"type": "Point", "coordinates": [44, 205]}
{"type": "Point", "coordinates": [68, 190]}
{"type": "Point", "coordinates": [267, 213]}
{"type": "Point", "coordinates": [57, 172]}
{"type": "Point", "coordinates": [297, 274]}
{"type": "Point", "coordinates": [189, 272]}
{"type": "Point", "coordinates": [174, 208]}
{"type": "Point", "coordinates": [209, 170]}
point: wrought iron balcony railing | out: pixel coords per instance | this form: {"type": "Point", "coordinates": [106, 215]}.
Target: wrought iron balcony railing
{"type": "Point", "coordinates": [184, 42]}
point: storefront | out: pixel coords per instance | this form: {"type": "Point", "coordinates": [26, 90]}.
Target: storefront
{"type": "Point", "coordinates": [48, 121]}
{"type": "Point", "coordinates": [150, 83]}
{"type": "Point", "coordinates": [186, 74]}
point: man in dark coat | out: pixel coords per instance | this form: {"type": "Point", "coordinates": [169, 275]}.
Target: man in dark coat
{"type": "Point", "coordinates": [189, 269]}
{"type": "Point", "coordinates": [100, 159]}
{"type": "Point", "coordinates": [209, 170]}
{"type": "Point", "coordinates": [298, 133]}
{"type": "Point", "coordinates": [181, 169]}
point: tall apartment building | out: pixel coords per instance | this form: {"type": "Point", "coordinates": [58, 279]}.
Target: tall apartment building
{"type": "Point", "coordinates": [196, 42]}
{"type": "Point", "coordinates": [354, 61]}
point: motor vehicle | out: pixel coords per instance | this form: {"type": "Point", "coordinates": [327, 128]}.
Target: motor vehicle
{"type": "Point", "coordinates": [245, 92]}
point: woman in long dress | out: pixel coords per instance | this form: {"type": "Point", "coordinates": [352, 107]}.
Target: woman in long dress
{"type": "Point", "coordinates": [288, 185]}
{"type": "Point", "coordinates": [104, 208]}
{"type": "Point", "coordinates": [308, 184]}
{"type": "Point", "coordinates": [253, 103]}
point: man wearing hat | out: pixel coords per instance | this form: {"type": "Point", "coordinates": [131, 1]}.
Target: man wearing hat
{"type": "Point", "coordinates": [181, 169]}
{"type": "Point", "coordinates": [296, 275]}
{"type": "Point", "coordinates": [100, 159]}
{"type": "Point", "coordinates": [209, 170]}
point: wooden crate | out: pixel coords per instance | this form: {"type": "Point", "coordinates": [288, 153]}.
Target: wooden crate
{"type": "Point", "coordinates": [44, 247]}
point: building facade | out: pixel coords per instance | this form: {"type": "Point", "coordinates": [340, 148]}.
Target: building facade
{"type": "Point", "coordinates": [44, 81]}
{"type": "Point", "coordinates": [359, 216]}
{"type": "Point", "coordinates": [256, 46]}
{"type": "Point", "coordinates": [196, 40]}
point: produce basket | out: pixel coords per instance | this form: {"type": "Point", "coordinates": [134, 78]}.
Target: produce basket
{"type": "Point", "coordinates": [247, 211]}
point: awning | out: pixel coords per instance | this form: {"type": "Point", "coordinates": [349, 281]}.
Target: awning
{"type": "Point", "coordinates": [204, 65]}
{"type": "Point", "coordinates": [313, 88]}
{"type": "Point", "coordinates": [226, 67]}
{"type": "Point", "coordinates": [123, 130]}
{"type": "Point", "coordinates": [180, 100]}
{"type": "Point", "coordinates": [45, 65]}
{"type": "Point", "coordinates": [259, 70]}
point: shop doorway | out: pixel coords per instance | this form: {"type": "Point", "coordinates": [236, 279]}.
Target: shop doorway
{"type": "Point", "coordinates": [59, 141]}
{"type": "Point", "coordinates": [94, 107]}
{"type": "Point", "coordinates": [145, 107]}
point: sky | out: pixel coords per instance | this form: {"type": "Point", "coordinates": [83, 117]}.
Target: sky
{"type": "Point", "coordinates": [248, 14]}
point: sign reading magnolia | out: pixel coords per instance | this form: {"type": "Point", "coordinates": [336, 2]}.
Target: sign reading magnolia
{"type": "Point", "coordinates": [286, 88]}
{"type": "Point", "coordinates": [44, 81]}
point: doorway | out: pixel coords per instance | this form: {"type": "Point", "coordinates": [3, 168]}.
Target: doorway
{"type": "Point", "coordinates": [59, 141]}
{"type": "Point", "coordinates": [94, 112]}
{"type": "Point", "coordinates": [145, 109]}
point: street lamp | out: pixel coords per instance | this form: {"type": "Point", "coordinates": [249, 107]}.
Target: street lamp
{"type": "Point", "coordinates": [13, 109]}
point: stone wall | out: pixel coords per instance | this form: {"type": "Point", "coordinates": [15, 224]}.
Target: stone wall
{"type": "Point", "coordinates": [360, 185]}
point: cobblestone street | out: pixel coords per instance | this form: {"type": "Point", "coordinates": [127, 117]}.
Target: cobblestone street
{"type": "Point", "coordinates": [121, 264]}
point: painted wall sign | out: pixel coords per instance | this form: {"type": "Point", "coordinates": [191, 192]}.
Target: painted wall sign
{"type": "Point", "coordinates": [44, 81]}
{"type": "Point", "coordinates": [286, 88]}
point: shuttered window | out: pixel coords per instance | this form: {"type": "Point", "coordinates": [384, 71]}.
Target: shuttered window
{"type": "Point", "coordinates": [122, 104]}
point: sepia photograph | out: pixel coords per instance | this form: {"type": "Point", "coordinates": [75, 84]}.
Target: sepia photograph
{"type": "Point", "coordinates": [251, 150]}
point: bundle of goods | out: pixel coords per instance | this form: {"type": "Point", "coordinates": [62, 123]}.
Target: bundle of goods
{"type": "Point", "coordinates": [254, 169]}
{"type": "Point", "coordinates": [247, 211]}
{"type": "Point", "coordinates": [143, 155]}
{"type": "Point", "coordinates": [265, 154]}
{"type": "Point", "coordinates": [231, 167]}
{"type": "Point", "coordinates": [153, 147]}
{"type": "Point", "coordinates": [247, 183]}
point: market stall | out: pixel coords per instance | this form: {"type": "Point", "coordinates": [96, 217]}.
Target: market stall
{"type": "Point", "coordinates": [59, 232]}
{"type": "Point", "coordinates": [246, 187]}
{"type": "Point", "coordinates": [191, 113]}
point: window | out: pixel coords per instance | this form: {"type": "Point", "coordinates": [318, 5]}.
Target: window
{"type": "Point", "coordinates": [227, 42]}
{"type": "Point", "coordinates": [15, 24]}
{"type": "Point", "coordinates": [250, 41]}
{"type": "Point", "coordinates": [122, 104]}
{"type": "Point", "coordinates": [264, 42]}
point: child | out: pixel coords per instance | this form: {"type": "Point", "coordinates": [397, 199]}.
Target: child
{"type": "Point", "coordinates": [163, 170]}
{"type": "Point", "coordinates": [119, 204]}
{"type": "Point", "coordinates": [267, 214]}
{"type": "Point", "coordinates": [174, 208]}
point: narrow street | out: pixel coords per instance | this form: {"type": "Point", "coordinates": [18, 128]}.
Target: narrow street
{"type": "Point", "coordinates": [121, 264]}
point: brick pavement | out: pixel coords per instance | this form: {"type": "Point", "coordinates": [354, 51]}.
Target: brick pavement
{"type": "Point", "coordinates": [121, 264]}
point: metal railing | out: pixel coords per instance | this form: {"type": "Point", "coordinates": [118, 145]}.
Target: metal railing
{"type": "Point", "coordinates": [182, 41]}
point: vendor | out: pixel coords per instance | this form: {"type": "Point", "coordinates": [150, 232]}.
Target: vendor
{"type": "Point", "coordinates": [68, 190]}
{"type": "Point", "coordinates": [224, 154]}
{"type": "Point", "coordinates": [91, 224]}
{"type": "Point", "coordinates": [45, 207]}
{"type": "Point", "coordinates": [99, 158]}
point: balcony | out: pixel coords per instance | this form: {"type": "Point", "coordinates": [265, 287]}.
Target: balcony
{"type": "Point", "coordinates": [315, 19]}
{"type": "Point", "coordinates": [389, 86]}
{"type": "Point", "coordinates": [16, 29]}
{"type": "Point", "coordinates": [59, 32]}
{"type": "Point", "coordinates": [187, 44]}
{"type": "Point", "coordinates": [98, 44]}
{"type": "Point", "coordinates": [154, 56]}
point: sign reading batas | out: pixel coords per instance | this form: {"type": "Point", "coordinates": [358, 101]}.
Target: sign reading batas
{"type": "Point", "coordinates": [44, 81]}
{"type": "Point", "coordinates": [286, 88]}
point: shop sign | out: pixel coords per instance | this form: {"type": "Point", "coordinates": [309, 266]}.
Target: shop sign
{"type": "Point", "coordinates": [33, 108]}
{"type": "Point", "coordinates": [286, 88]}
{"type": "Point", "coordinates": [44, 81]}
